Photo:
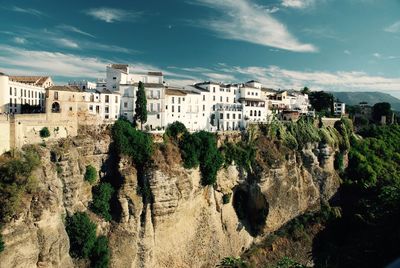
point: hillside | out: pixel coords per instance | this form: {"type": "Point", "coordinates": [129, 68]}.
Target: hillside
{"type": "Point", "coordinates": [353, 98]}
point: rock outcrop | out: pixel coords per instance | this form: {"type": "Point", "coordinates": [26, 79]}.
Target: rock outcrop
{"type": "Point", "coordinates": [184, 225]}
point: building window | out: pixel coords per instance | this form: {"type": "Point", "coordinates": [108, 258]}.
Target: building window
{"type": "Point", "coordinates": [213, 98]}
{"type": "Point", "coordinates": [221, 116]}
{"type": "Point", "coordinates": [220, 98]}
{"type": "Point", "coordinates": [259, 113]}
{"type": "Point", "coordinates": [91, 108]}
{"type": "Point", "coordinates": [179, 109]}
{"type": "Point", "coordinates": [15, 92]}
{"type": "Point", "coordinates": [204, 97]}
{"type": "Point", "coordinates": [240, 116]}
{"type": "Point", "coordinates": [173, 110]}
{"type": "Point", "coordinates": [158, 116]}
{"type": "Point", "coordinates": [204, 108]}
{"type": "Point", "coordinates": [234, 116]}
{"type": "Point", "coordinates": [107, 109]}
{"type": "Point", "coordinates": [179, 100]}
{"type": "Point", "coordinates": [10, 91]}
{"type": "Point", "coordinates": [10, 102]}
{"type": "Point", "coordinates": [166, 107]}
{"type": "Point", "coordinates": [114, 78]}
{"type": "Point", "coordinates": [251, 112]}
{"type": "Point", "coordinates": [107, 99]}
{"type": "Point", "coordinates": [106, 116]}
{"type": "Point", "coordinates": [173, 99]}
{"type": "Point", "coordinates": [214, 89]}
{"type": "Point", "coordinates": [55, 95]}
{"type": "Point", "coordinates": [125, 105]}
{"type": "Point", "coordinates": [214, 107]}
{"type": "Point", "coordinates": [227, 116]}
{"type": "Point", "coordinates": [227, 99]}
{"type": "Point", "coordinates": [116, 99]}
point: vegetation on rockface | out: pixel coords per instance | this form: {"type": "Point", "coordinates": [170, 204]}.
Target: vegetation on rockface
{"type": "Point", "coordinates": [1, 243]}
{"type": "Point", "coordinates": [200, 149]}
{"type": "Point", "coordinates": [232, 262]}
{"type": "Point", "coordinates": [83, 242]}
{"type": "Point", "coordinates": [102, 194]}
{"type": "Point", "coordinates": [368, 232]}
{"type": "Point", "coordinates": [44, 132]}
{"type": "Point", "coordinates": [82, 234]}
{"type": "Point", "coordinates": [132, 142]}
{"type": "Point", "coordinates": [100, 256]}
{"type": "Point", "coordinates": [141, 105]}
{"type": "Point", "coordinates": [176, 130]}
{"type": "Point", "coordinates": [16, 180]}
{"type": "Point", "coordinates": [290, 246]}
{"type": "Point", "coordinates": [90, 174]}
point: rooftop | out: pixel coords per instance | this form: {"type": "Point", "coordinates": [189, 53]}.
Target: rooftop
{"type": "Point", "coordinates": [35, 80]}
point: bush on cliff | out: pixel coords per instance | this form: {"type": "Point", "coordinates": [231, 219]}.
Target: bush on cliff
{"type": "Point", "coordinates": [132, 142]}
{"type": "Point", "coordinates": [176, 130]}
{"type": "Point", "coordinates": [200, 149]}
{"type": "Point", "coordinates": [44, 132]}
{"type": "Point", "coordinates": [16, 181]}
{"type": "Point", "coordinates": [1, 243]}
{"type": "Point", "coordinates": [91, 174]}
{"type": "Point", "coordinates": [82, 234]}
{"type": "Point", "coordinates": [102, 194]}
{"type": "Point", "coordinates": [100, 255]}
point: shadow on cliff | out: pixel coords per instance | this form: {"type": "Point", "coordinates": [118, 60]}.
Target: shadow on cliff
{"type": "Point", "coordinates": [110, 168]}
{"type": "Point", "coordinates": [251, 207]}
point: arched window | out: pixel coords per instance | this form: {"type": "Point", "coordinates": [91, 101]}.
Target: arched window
{"type": "Point", "coordinates": [251, 112]}
{"type": "Point", "coordinates": [259, 113]}
{"type": "Point", "coordinates": [55, 107]}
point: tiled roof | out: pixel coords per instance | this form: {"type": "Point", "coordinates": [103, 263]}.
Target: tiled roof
{"type": "Point", "coordinates": [65, 88]}
{"type": "Point", "coordinates": [175, 92]}
{"type": "Point", "coordinates": [36, 80]}
{"type": "Point", "coordinates": [122, 67]}
{"type": "Point", "coordinates": [155, 73]}
{"type": "Point", "coordinates": [150, 85]}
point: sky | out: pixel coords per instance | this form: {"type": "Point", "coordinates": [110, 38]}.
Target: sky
{"type": "Point", "coordinates": [332, 45]}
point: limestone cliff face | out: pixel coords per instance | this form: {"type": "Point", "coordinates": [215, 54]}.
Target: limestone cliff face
{"type": "Point", "coordinates": [184, 225]}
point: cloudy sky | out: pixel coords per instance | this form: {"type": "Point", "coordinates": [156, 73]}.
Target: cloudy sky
{"type": "Point", "coordinates": [347, 45]}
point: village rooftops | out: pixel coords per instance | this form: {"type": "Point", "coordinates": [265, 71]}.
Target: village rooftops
{"type": "Point", "coordinates": [65, 88]}
{"type": "Point", "coordinates": [175, 92]}
{"type": "Point", "coordinates": [31, 80]}
{"type": "Point", "coordinates": [149, 85]}
{"type": "Point", "coordinates": [155, 73]}
{"type": "Point", "coordinates": [121, 67]}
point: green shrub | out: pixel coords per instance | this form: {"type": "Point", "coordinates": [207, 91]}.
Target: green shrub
{"type": "Point", "coordinates": [175, 130]}
{"type": "Point", "coordinates": [1, 243]}
{"type": "Point", "coordinates": [82, 234]}
{"type": "Point", "coordinates": [102, 194]}
{"type": "Point", "coordinates": [131, 142]}
{"type": "Point", "coordinates": [286, 262]}
{"type": "Point", "coordinates": [16, 181]}
{"type": "Point", "coordinates": [90, 174]}
{"type": "Point", "coordinates": [232, 262]}
{"type": "Point", "coordinates": [226, 198]}
{"type": "Point", "coordinates": [200, 148]}
{"type": "Point", "coordinates": [44, 132]}
{"type": "Point", "coordinates": [242, 154]}
{"type": "Point", "coordinates": [339, 158]}
{"type": "Point", "coordinates": [100, 255]}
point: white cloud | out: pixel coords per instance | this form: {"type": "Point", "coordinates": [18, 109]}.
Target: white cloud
{"type": "Point", "coordinates": [244, 21]}
{"type": "Point", "coordinates": [74, 30]}
{"type": "Point", "coordinates": [276, 77]}
{"type": "Point", "coordinates": [22, 61]}
{"type": "Point", "coordinates": [111, 15]}
{"type": "Point", "coordinates": [377, 55]}
{"type": "Point", "coordinates": [220, 77]}
{"type": "Point", "coordinates": [19, 40]}
{"type": "Point", "coordinates": [30, 11]}
{"type": "Point", "coordinates": [66, 43]}
{"type": "Point", "coordinates": [347, 52]}
{"type": "Point", "coordinates": [394, 28]}
{"type": "Point", "coordinates": [297, 3]}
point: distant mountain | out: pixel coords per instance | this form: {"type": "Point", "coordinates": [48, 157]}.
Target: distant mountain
{"type": "Point", "coordinates": [353, 98]}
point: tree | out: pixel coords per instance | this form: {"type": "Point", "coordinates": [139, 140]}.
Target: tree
{"type": "Point", "coordinates": [141, 105]}
{"type": "Point", "coordinates": [102, 194]}
{"type": "Point", "coordinates": [1, 243]}
{"type": "Point", "coordinates": [381, 109]}
{"type": "Point", "coordinates": [305, 90]}
{"type": "Point", "coordinates": [321, 101]}
{"type": "Point", "coordinates": [100, 256]}
{"type": "Point", "coordinates": [82, 234]}
{"type": "Point", "coordinates": [44, 132]}
{"type": "Point", "coordinates": [91, 174]}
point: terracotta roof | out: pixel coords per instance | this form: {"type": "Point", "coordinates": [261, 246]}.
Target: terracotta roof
{"type": "Point", "coordinates": [122, 67]}
{"type": "Point", "coordinates": [268, 89]}
{"type": "Point", "coordinates": [36, 80]}
{"type": "Point", "coordinates": [65, 88]}
{"type": "Point", "coordinates": [150, 85]}
{"type": "Point", "coordinates": [155, 73]}
{"type": "Point", "coordinates": [175, 92]}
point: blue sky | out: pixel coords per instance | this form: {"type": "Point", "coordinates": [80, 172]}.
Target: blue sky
{"type": "Point", "coordinates": [348, 45]}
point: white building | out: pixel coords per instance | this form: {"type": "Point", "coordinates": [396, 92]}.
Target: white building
{"type": "Point", "coordinates": [339, 108]}
{"type": "Point", "coordinates": [23, 94]}
{"type": "Point", "coordinates": [83, 84]}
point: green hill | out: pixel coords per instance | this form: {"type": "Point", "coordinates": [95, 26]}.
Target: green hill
{"type": "Point", "coordinates": [353, 98]}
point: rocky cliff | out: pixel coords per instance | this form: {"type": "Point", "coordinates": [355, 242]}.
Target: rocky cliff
{"type": "Point", "coordinates": [184, 225]}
